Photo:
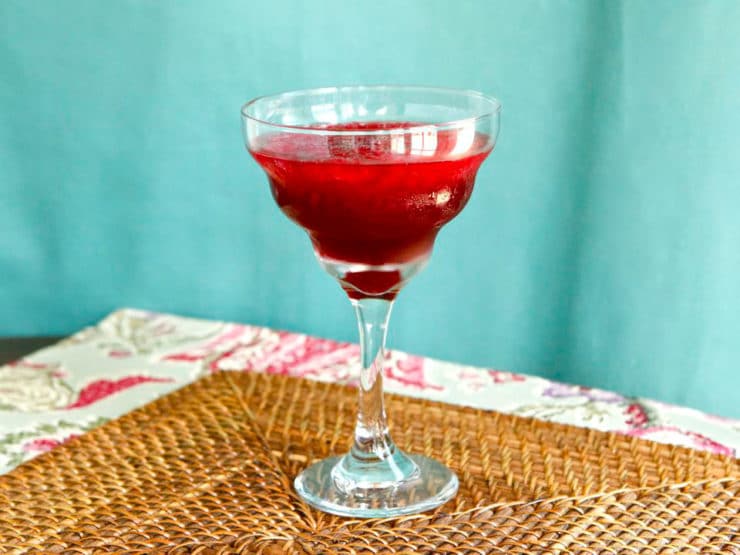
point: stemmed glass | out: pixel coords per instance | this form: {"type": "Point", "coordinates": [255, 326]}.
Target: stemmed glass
{"type": "Point", "coordinates": [372, 173]}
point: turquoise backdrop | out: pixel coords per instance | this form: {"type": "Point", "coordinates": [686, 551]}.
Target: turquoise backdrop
{"type": "Point", "coordinates": [601, 246]}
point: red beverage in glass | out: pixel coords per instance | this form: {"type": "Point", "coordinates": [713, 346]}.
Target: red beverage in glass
{"type": "Point", "coordinates": [372, 202]}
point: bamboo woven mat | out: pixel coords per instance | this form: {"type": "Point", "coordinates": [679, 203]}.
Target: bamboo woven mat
{"type": "Point", "coordinates": [208, 469]}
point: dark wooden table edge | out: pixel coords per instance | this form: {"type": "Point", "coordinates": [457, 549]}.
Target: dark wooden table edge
{"type": "Point", "coordinates": [13, 348]}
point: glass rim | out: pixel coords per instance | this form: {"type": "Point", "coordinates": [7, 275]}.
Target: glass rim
{"type": "Point", "coordinates": [494, 103]}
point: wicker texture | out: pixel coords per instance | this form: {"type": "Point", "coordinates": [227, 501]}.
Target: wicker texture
{"type": "Point", "coordinates": [208, 469]}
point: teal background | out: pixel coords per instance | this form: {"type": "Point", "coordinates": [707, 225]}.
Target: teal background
{"type": "Point", "coordinates": [601, 246]}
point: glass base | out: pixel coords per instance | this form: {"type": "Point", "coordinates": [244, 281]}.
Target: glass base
{"type": "Point", "coordinates": [399, 485]}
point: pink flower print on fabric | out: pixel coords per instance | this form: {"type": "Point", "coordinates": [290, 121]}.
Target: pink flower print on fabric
{"type": "Point", "coordinates": [44, 444]}
{"type": "Point", "coordinates": [100, 389]}
{"type": "Point", "coordinates": [236, 348]}
{"type": "Point", "coordinates": [637, 416]}
{"type": "Point", "coordinates": [505, 377]}
{"type": "Point", "coordinates": [223, 342]}
{"type": "Point", "coordinates": [54, 369]}
{"type": "Point", "coordinates": [295, 355]}
{"type": "Point", "coordinates": [677, 436]}
{"type": "Point", "coordinates": [408, 370]}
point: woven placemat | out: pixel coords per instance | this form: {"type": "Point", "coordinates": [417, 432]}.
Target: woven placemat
{"type": "Point", "coordinates": [208, 469]}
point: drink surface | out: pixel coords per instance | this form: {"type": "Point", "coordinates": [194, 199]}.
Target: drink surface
{"type": "Point", "coordinates": [372, 199]}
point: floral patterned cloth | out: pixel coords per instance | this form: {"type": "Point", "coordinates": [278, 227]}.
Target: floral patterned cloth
{"type": "Point", "coordinates": [133, 357]}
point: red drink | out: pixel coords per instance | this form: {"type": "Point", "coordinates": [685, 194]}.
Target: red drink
{"type": "Point", "coordinates": [373, 200]}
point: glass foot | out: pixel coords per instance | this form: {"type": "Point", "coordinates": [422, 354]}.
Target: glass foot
{"type": "Point", "coordinates": [400, 485]}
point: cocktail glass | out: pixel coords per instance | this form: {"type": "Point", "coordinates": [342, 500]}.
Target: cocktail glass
{"type": "Point", "coordinates": [372, 173]}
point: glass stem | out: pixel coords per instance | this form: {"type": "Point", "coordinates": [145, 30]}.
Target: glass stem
{"type": "Point", "coordinates": [372, 440]}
